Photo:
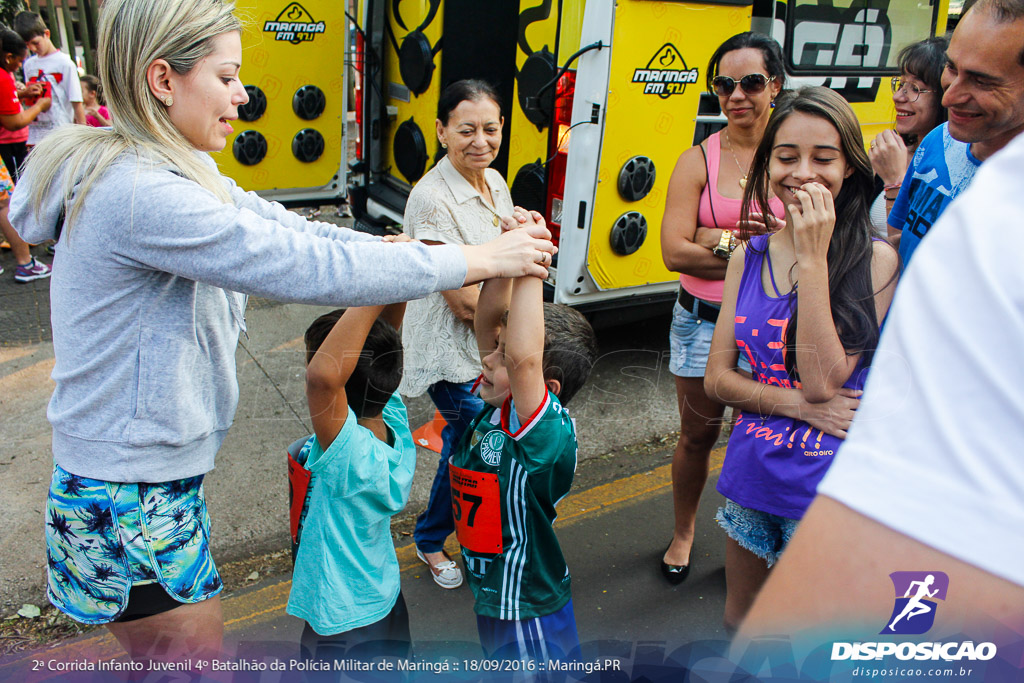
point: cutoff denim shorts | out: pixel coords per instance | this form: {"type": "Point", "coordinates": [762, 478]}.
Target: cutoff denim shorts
{"type": "Point", "coordinates": [762, 533]}
{"type": "Point", "coordinates": [104, 537]}
{"type": "Point", "coordinates": [690, 344]}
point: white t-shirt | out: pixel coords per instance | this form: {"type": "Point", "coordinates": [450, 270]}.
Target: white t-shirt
{"type": "Point", "coordinates": [62, 74]}
{"type": "Point", "coordinates": [936, 451]}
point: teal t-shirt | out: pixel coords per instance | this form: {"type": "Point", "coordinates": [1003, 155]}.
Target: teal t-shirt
{"type": "Point", "coordinates": [346, 572]}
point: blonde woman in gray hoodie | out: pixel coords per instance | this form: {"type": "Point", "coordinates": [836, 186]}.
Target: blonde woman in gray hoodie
{"type": "Point", "coordinates": [157, 255]}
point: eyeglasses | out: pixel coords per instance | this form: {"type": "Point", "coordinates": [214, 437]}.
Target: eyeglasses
{"type": "Point", "coordinates": [909, 90]}
{"type": "Point", "coordinates": [752, 84]}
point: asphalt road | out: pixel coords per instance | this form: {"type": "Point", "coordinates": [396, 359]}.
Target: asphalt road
{"type": "Point", "coordinates": [630, 620]}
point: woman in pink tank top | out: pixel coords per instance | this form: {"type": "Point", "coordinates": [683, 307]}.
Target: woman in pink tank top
{"type": "Point", "coordinates": [701, 211]}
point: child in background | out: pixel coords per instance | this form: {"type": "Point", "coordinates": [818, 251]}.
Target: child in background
{"type": "Point", "coordinates": [516, 461]}
{"type": "Point", "coordinates": [13, 120]}
{"type": "Point", "coordinates": [57, 74]}
{"type": "Point", "coordinates": [362, 457]}
{"type": "Point", "coordinates": [96, 113]}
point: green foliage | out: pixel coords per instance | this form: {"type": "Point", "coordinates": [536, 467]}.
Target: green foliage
{"type": "Point", "coordinates": [8, 8]}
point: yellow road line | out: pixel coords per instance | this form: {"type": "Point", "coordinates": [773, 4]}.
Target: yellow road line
{"type": "Point", "coordinates": [9, 353]}
{"type": "Point", "coordinates": [21, 381]}
{"type": "Point", "coordinates": [269, 602]}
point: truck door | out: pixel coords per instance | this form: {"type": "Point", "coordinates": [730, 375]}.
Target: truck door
{"type": "Point", "coordinates": [645, 94]}
{"type": "Point", "coordinates": [290, 139]}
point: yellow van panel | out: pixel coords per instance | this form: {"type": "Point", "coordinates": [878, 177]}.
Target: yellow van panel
{"type": "Point", "coordinates": [649, 117]}
{"type": "Point", "coordinates": [527, 143]}
{"type": "Point", "coordinates": [422, 108]}
{"type": "Point", "coordinates": [280, 62]}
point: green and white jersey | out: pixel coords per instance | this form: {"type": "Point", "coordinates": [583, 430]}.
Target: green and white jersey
{"type": "Point", "coordinates": [506, 480]}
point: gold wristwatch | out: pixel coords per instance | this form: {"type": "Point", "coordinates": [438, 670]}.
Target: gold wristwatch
{"type": "Point", "coordinates": [725, 245]}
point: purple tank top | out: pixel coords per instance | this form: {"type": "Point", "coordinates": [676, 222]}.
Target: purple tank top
{"type": "Point", "coordinates": [772, 463]}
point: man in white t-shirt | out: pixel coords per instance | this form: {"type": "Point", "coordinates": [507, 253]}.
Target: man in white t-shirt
{"type": "Point", "coordinates": [58, 73]}
{"type": "Point", "coordinates": [931, 476]}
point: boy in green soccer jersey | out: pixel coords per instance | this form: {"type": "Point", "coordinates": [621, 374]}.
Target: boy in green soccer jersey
{"type": "Point", "coordinates": [516, 461]}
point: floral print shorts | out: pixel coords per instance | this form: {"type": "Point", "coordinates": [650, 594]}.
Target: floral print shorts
{"type": "Point", "coordinates": [104, 537]}
{"type": "Point", "coordinates": [6, 184]}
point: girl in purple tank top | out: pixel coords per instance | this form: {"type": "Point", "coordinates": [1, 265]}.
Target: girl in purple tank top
{"type": "Point", "coordinates": [805, 303]}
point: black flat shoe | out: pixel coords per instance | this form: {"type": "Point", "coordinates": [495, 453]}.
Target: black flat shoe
{"type": "Point", "coordinates": [675, 574]}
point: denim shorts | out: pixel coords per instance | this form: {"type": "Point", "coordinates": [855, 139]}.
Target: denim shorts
{"type": "Point", "coordinates": [103, 537]}
{"type": "Point", "coordinates": [762, 533]}
{"type": "Point", "coordinates": [690, 344]}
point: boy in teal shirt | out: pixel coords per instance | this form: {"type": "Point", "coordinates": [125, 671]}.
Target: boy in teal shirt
{"type": "Point", "coordinates": [361, 457]}
{"type": "Point", "coordinates": [516, 461]}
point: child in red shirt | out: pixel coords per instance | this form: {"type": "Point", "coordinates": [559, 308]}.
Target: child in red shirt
{"type": "Point", "coordinates": [13, 118]}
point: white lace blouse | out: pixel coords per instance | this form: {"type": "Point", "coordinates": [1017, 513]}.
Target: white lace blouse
{"type": "Point", "coordinates": [444, 207]}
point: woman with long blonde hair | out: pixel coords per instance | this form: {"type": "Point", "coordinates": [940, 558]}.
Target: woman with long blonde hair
{"type": "Point", "coordinates": [157, 253]}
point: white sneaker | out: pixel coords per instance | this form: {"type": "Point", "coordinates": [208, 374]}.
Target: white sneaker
{"type": "Point", "coordinates": [446, 574]}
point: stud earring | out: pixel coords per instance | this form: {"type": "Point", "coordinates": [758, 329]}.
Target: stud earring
{"type": "Point", "coordinates": [444, 145]}
{"type": "Point", "coordinates": [168, 101]}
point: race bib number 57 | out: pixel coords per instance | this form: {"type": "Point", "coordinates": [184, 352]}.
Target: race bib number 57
{"type": "Point", "coordinates": [476, 506]}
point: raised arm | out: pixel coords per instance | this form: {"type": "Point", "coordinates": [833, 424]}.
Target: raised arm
{"type": "Point", "coordinates": [491, 306]}
{"type": "Point", "coordinates": [685, 246]}
{"type": "Point", "coordinates": [524, 346]}
{"type": "Point", "coordinates": [889, 160]}
{"type": "Point", "coordinates": [332, 365]}
{"type": "Point", "coordinates": [394, 314]}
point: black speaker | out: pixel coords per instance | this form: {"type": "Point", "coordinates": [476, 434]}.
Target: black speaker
{"type": "Point", "coordinates": [628, 233]}
{"type": "Point", "coordinates": [255, 107]}
{"type": "Point", "coordinates": [249, 147]}
{"type": "Point", "coordinates": [308, 102]}
{"type": "Point", "coordinates": [410, 150]}
{"type": "Point", "coordinates": [308, 145]}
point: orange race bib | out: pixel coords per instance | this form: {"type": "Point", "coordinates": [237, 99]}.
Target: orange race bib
{"type": "Point", "coordinates": [476, 506]}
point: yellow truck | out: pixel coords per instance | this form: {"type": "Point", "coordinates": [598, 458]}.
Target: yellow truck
{"type": "Point", "coordinates": [600, 98]}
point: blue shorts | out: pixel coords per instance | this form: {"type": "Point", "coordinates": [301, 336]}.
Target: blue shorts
{"type": "Point", "coordinates": [762, 533]}
{"type": "Point", "coordinates": [102, 538]}
{"type": "Point", "coordinates": [690, 344]}
{"type": "Point", "coordinates": [552, 636]}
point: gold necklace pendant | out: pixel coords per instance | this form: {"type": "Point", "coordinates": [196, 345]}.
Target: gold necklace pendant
{"type": "Point", "coordinates": [732, 150]}
{"type": "Point", "coordinates": [495, 220]}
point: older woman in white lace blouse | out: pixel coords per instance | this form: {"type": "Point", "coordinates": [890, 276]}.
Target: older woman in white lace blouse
{"type": "Point", "coordinates": [459, 201]}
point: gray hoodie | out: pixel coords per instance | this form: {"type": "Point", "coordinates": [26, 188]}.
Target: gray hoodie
{"type": "Point", "coordinates": [146, 311]}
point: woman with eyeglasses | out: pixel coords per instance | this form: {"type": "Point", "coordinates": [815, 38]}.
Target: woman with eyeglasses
{"type": "Point", "coordinates": [917, 97]}
{"type": "Point", "coordinates": [701, 212]}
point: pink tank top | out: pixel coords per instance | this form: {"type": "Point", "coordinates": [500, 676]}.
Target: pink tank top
{"type": "Point", "coordinates": [726, 210]}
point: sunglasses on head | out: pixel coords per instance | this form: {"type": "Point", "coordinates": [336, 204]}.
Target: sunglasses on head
{"type": "Point", "coordinates": [752, 84]}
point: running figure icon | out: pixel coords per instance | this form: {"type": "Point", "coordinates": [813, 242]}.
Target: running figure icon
{"type": "Point", "coordinates": [915, 605]}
